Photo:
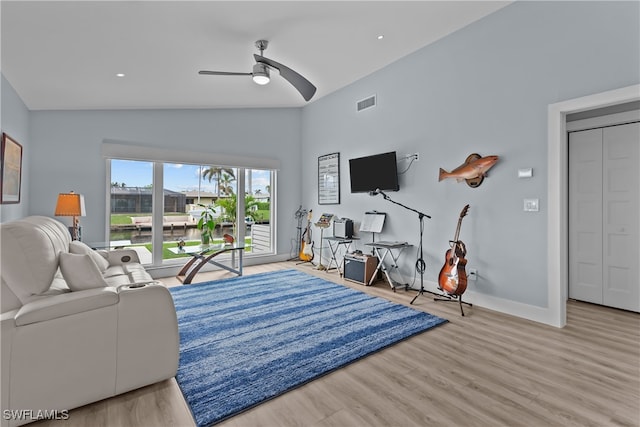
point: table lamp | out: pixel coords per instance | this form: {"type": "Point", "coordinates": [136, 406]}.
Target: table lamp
{"type": "Point", "coordinates": [71, 204]}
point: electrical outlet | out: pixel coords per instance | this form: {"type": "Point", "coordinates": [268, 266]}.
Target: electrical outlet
{"type": "Point", "coordinates": [531, 205]}
{"type": "Point", "coordinates": [416, 157]}
{"type": "Point", "coordinates": [473, 274]}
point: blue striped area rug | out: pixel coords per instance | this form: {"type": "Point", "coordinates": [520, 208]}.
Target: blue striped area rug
{"type": "Point", "coordinates": [248, 339]}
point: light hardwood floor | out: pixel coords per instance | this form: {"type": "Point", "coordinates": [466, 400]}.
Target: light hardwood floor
{"type": "Point", "coordinates": [484, 369]}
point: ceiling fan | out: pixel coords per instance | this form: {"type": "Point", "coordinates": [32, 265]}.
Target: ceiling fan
{"type": "Point", "coordinates": [261, 69]}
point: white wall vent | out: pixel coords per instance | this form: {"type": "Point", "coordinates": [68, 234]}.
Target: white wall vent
{"type": "Point", "coordinates": [369, 102]}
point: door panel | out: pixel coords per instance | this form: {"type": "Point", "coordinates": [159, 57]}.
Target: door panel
{"type": "Point", "coordinates": [585, 215]}
{"type": "Point", "coordinates": [621, 157]}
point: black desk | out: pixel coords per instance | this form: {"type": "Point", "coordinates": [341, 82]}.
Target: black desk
{"type": "Point", "coordinates": [382, 249]}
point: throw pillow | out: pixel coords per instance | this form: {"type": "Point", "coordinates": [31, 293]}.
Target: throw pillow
{"type": "Point", "coordinates": [80, 272]}
{"type": "Point", "coordinates": [77, 247]}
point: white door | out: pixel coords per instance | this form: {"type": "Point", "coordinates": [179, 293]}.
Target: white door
{"type": "Point", "coordinates": [621, 222]}
{"type": "Point", "coordinates": [604, 216]}
{"type": "Point", "coordinates": [585, 215]}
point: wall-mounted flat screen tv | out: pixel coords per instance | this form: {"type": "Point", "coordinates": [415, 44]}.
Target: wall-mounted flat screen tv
{"type": "Point", "coordinates": [374, 172]}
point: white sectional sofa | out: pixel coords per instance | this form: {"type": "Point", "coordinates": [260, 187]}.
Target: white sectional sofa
{"type": "Point", "coordinates": [78, 325]}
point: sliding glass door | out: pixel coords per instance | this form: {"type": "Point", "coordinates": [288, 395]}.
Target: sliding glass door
{"type": "Point", "coordinates": [156, 207]}
{"type": "Point", "coordinates": [131, 206]}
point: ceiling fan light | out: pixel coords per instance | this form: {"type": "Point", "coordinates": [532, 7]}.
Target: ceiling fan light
{"type": "Point", "coordinates": [260, 74]}
{"type": "Point", "coordinates": [260, 79]}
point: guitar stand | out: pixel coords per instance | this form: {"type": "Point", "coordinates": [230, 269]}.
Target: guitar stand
{"type": "Point", "coordinates": [451, 298]}
{"type": "Point", "coordinates": [298, 215]}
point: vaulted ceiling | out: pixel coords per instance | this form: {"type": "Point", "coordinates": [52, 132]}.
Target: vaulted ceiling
{"type": "Point", "coordinates": [67, 55]}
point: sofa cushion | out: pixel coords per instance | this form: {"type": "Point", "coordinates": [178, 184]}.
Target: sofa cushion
{"type": "Point", "coordinates": [117, 281]}
{"type": "Point", "coordinates": [114, 270]}
{"type": "Point", "coordinates": [57, 306]}
{"type": "Point", "coordinates": [29, 252]}
{"type": "Point", "coordinates": [76, 247]}
{"type": "Point", "coordinates": [80, 272]}
{"type": "Point", "coordinates": [136, 273]}
{"type": "Point", "coordinates": [58, 285]}
{"type": "Point", "coordinates": [9, 300]}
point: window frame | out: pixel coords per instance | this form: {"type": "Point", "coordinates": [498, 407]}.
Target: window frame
{"type": "Point", "coordinates": [159, 157]}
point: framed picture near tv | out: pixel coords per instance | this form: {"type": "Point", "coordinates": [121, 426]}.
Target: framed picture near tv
{"type": "Point", "coordinates": [329, 179]}
{"type": "Point", "coordinates": [11, 173]}
{"type": "Point", "coordinates": [377, 172]}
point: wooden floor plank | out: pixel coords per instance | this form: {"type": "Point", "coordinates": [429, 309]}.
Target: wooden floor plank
{"type": "Point", "coordinates": [484, 369]}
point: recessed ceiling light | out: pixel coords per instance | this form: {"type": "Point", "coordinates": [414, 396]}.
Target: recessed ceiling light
{"type": "Point", "coordinates": [380, 37]}
{"type": "Point", "coordinates": [120, 75]}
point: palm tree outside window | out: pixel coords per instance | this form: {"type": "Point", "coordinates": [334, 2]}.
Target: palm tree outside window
{"type": "Point", "coordinates": [215, 173]}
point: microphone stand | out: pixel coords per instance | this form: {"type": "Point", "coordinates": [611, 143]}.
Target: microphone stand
{"type": "Point", "coordinates": [420, 264]}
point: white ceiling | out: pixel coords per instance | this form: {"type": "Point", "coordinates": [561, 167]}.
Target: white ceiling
{"type": "Point", "coordinates": [65, 55]}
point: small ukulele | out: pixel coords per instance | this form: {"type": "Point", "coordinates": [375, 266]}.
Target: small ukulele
{"type": "Point", "coordinates": [453, 277]}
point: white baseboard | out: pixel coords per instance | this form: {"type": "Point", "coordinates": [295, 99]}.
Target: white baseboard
{"type": "Point", "coordinates": [513, 308]}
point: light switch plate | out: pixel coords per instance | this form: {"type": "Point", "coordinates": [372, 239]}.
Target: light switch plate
{"type": "Point", "coordinates": [531, 205]}
{"type": "Point", "coordinates": [525, 173]}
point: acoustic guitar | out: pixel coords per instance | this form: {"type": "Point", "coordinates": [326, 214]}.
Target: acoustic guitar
{"type": "Point", "coordinates": [453, 277]}
{"type": "Point", "coordinates": [306, 246]}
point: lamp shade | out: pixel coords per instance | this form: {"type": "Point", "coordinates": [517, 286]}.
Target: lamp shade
{"type": "Point", "coordinates": [70, 204]}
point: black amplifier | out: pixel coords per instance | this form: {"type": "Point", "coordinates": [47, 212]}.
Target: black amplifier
{"type": "Point", "coordinates": [359, 268]}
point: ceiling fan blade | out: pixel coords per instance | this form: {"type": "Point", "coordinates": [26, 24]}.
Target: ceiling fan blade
{"type": "Point", "coordinates": [222, 73]}
{"type": "Point", "coordinates": [304, 86]}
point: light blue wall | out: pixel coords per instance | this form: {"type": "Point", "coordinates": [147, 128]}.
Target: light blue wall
{"type": "Point", "coordinates": [14, 121]}
{"type": "Point", "coordinates": [67, 152]}
{"type": "Point", "coordinates": [484, 89]}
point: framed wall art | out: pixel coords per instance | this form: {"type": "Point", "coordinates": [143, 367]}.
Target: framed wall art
{"type": "Point", "coordinates": [329, 179]}
{"type": "Point", "coordinates": [11, 170]}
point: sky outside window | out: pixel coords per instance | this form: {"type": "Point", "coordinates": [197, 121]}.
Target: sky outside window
{"type": "Point", "coordinates": [177, 177]}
